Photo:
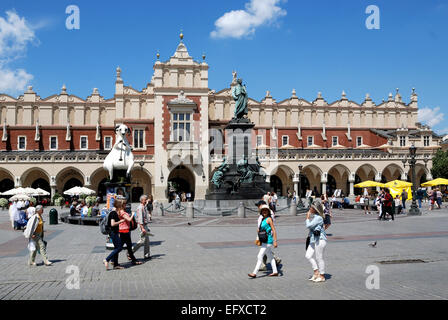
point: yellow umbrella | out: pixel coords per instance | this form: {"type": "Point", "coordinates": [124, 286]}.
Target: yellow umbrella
{"type": "Point", "coordinates": [396, 187]}
{"type": "Point", "coordinates": [368, 184]}
{"type": "Point", "coordinates": [398, 184]}
{"type": "Point", "coordinates": [436, 182]}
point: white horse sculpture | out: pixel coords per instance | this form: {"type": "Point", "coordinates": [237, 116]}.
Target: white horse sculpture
{"type": "Point", "coordinates": [120, 157]}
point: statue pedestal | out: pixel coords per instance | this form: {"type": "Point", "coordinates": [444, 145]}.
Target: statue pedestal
{"type": "Point", "coordinates": [120, 186]}
{"type": "Point", "coordinates": [241, 162]}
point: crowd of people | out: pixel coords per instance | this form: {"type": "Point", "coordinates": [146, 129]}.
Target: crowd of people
{"type": "Point", "coordinates": [20, 212]}
{"type": "Point", "coordinates": [398, 205]}
{"type": "Point", "coordinates": [85, 209]}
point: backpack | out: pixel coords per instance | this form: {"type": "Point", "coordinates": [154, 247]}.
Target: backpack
{"type": "Point", "coordinates": [105, 227]}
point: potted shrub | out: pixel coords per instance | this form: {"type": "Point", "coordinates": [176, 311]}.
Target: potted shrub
{"type": "Point", "coordinates": [3, 203]}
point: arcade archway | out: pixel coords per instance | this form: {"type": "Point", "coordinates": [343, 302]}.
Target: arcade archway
{"type": "Point", "coordinates": [181, 180]}
{"type": "Point", "coordinates": [6, 180]}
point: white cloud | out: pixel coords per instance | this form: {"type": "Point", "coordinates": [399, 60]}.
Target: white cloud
{"type": "Point", "coordinates": [431, 117]}
{"type": "Point", "coordinates": [14, 80]}
{"type": "Point", "coordinates": [242, 23]}
{"type": "Point", "coordinates": [15, 35]}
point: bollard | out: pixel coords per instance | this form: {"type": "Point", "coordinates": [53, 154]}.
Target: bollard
{"type": "Point", "coordinates": [53, 216]}
{"type": "Point", "coordinates": [190, 210]}
{"type": "Point", "coordinates": [158, 209]}
{"type": "Point", "coordinates": [293, 208]}
{"type": "Point", "coordinates": [241, 211]}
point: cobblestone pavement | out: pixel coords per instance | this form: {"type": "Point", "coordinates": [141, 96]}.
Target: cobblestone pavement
{"type": "Point", "coordinates": [211, 257]}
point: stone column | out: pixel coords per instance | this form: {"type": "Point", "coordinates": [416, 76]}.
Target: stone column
{"type": "Point", "coordinates": [53, 192]}
{"type": "Point", "coordinates": [53, 186]}
{"type": "Point", "coordinates": [18, 182]}
{"type": "Point", "coordinates": [296, 184]}
{"type": "Point", "coordinates": [378, 179]}
{"type": "Point", "coordinates": [324, 182]}
{"type": "Point", "coordinates": [351, 180]}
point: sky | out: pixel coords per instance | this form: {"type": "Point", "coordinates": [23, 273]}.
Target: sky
{"type": "Point", "coordinates": [311, 46]}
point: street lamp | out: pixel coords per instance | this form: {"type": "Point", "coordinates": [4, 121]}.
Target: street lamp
{"type": "Point", "coordinates": [414, 210]}
{"type": "Point", "coordinates": [300, 204]}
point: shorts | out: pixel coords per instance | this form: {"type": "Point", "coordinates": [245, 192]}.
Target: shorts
{"type": "Point", "coordinates": [327, 219]}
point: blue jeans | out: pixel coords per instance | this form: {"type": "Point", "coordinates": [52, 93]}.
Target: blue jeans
{"type": "Point", "coordinates": [419, 203]}
{"type": "Point", "coordinates": [118, 247]}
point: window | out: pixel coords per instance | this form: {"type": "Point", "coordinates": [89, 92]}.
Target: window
{"type": "Point", "coordinates": [259, 140]}
{"type": "Point", "coordinates": [334, 141]}
{"type": "Point", "coordinates": [181, 127]}
{"type": "Point", "coordinates": [358, 141]}
{"type": "Point", "coordinates": [107, 143]}
{"type": "Point", "coordinates": [426, 141]}
{"type": "Point", "coordinates": [402, 141]}
{"type": "Point", "coordinates": [53, 143]}
{"type": "Point", "coordinates": [21, 143]}
{"type": "Point", "coordinates": [310, 141]}
{"type": "Point", "coordinates": [139, 138]}
{"type": "Point", "coordinates": [83, 143]}
{"type": "Point", "coordinates": [285, 140]}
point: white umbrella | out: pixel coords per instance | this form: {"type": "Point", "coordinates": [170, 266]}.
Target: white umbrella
{"type": "Point", "coordinates": [88, 191]}
{"type": "Point", "coordinates": [41, 192]}
{"type": "Point", "coordinates": [30, 191]}
{"type": "Point", "coordinates": [76, 191]}
{"type": "Point", "coordinates": [14, 191]}
{"type": "Point", "coordinates": [19, 197]}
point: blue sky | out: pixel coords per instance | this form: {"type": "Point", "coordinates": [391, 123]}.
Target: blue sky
{"type": "Point", "coordinates": [274, 45]}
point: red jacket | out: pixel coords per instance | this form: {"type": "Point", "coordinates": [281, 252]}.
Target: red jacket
{"type": "Point", "coordinates": [387, 200]}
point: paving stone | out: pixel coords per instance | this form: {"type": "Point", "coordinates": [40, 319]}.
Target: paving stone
{"type": "Point", "coordinates": [210, 259]}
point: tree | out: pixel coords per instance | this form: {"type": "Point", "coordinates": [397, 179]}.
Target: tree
{"type": "Point", "coordinates": [440, 165]}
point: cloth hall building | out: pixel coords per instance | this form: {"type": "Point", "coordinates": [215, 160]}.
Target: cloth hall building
{"type": "Point", "coordinates": [178, 138]}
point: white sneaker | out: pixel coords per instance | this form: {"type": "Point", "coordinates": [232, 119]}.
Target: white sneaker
{"type": "Point", "coordinates": [312, 278]}
{"type": "Point", "coordinates": [319, 279]}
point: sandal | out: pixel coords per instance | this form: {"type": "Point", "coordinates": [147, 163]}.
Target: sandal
{"type": "Point", "coordinates": [106, 264]}
{"type": "Point", "coordinates": [252, 275]}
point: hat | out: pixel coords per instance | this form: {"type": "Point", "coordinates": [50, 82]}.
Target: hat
{"type": "Point", "coordinates": [265, 206]}
{"type": "Point", "coordinates": [261, 202]}
{"type": "Point", "coordinates": [317, 205]}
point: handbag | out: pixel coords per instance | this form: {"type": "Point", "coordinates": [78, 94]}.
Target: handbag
{"type": "Point", "coordinates": [132, 224]}
{"type": "Point", "coordinates": [262, 234]}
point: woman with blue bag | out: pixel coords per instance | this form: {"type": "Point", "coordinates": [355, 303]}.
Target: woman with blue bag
{"type": "Point", "coordinates": [318, 240]}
